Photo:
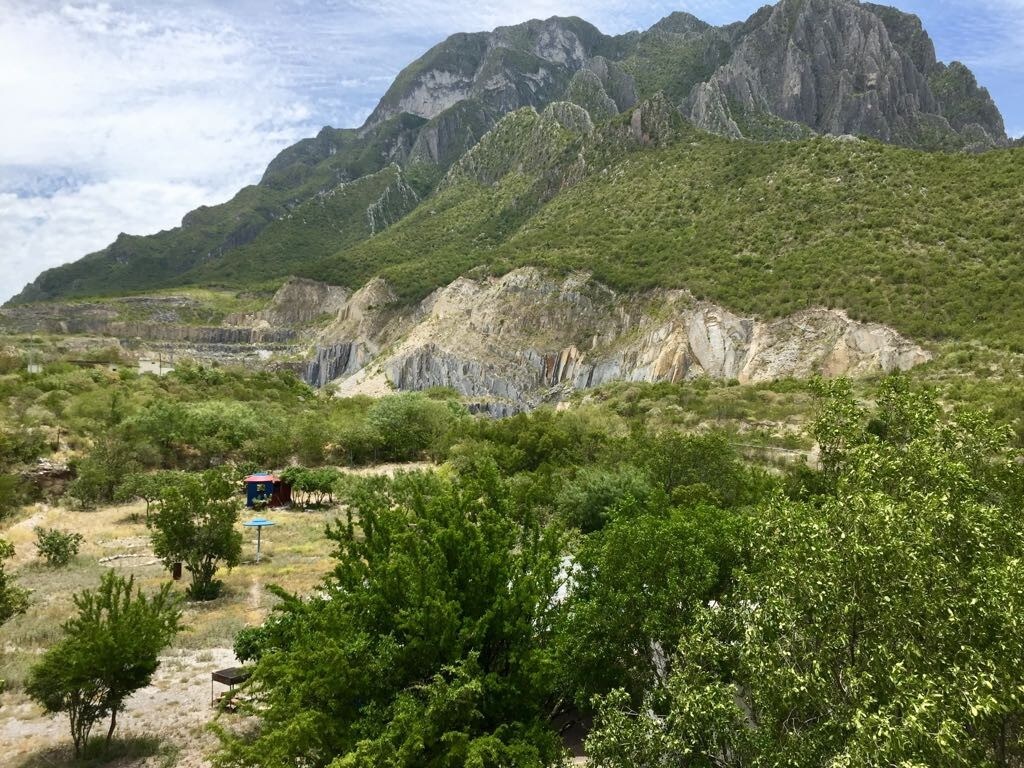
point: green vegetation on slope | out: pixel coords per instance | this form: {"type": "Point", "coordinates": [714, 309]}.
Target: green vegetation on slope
{"type": "Point", "coordinates": [284, 224]}
{"type": "Point", "coordinates": [674, 63]}
{"type": "Point", "coordinates": [336, 218]}
{"type": "Point", "coordinates": [929, 243]}
{"type": "Point", "coordinates": [167, 259]}
{"type": "Point", "coordinates": [494, 189]}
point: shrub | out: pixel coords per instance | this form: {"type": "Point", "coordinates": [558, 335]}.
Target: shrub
{"type": "Point", "coordinates": [109, 651]}
{"type": "Point", "coordinates": [12, 494]}
{"type": "Point", "coordinates": [316, 486]}
{"type": "Point", "coordinates": [588, 500]}
{"type": "Point", "coordinates": [410, 424]}
{"type": "Point", "coordinates": [57, 547]}
{"type": "Point", "coordinates": [99, 474]}
{"type": "Point", "coordinates": [13, 599]}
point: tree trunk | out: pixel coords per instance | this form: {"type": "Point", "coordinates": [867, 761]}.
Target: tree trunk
{"type": "Point", "coordinates": [76, 735]}
{"type": "Point", "coordinates": [113, 725]}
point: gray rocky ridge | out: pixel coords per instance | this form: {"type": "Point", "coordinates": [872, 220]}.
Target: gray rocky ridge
{"type": "Point", "coordinates": [505, 343]}
{"type": "Point", "coordinates": [838, 67]}
{"type": "Point", "coordinates": [515, 341]}
{"type": "Point", "coordinates": [828, 66]}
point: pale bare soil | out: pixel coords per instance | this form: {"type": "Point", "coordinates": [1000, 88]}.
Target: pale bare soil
{"type": "Point", "coordinates": [175, 708]}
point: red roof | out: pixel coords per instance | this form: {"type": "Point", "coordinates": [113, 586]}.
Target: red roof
{"type": "Point", "coordinates": [262, 479]}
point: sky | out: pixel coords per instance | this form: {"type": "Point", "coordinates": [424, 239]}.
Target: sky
{"type": "Point", "coordinates": [123, 116]}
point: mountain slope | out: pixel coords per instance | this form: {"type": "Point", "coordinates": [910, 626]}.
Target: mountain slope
{"type": "Point", "coordinates": [803, 66]}
{"type": "Point", "coordinates": [926, 242]}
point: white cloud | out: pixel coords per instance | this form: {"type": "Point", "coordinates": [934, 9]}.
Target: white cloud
{"type": "Point", "coordinates": [150, 112]}
{"type": "Point", "coordinates": [71, 223]}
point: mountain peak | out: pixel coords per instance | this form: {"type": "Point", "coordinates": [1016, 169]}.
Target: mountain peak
{"type": "Point", "coordinates": [489, 67]}
{"type": "Point", "coordinates": [842, 67]}
{"type": "Point", "coordinates": [680, 23]}
{"type": "Point", "coordinates": [791, 70]}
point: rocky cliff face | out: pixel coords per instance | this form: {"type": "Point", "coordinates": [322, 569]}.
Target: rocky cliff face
{"type": "Point", "coordinates": [840, 67]}
{"type": "Point", "coordinates": [511, 67]}
{"type": "Point", "coordinates": [515, 341]}
{"type": "Point", "coordinates": [506, 344]}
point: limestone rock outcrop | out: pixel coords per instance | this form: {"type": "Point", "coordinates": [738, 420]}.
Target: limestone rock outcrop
{"type": "Point", "coordinates": [518, 340]}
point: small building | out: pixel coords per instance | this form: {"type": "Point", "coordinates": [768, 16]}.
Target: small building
{"type": "Point", "coordinates": [268, 488]}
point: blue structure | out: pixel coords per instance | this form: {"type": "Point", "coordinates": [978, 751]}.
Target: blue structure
{"type": "Point", "coordinates": [268, 489]}
{"type": "Point", "coordinates": [259, 523]}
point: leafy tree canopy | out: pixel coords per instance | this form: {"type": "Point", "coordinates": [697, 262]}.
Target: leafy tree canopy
{"type": "Point", "coordinates": [637, 584]}
{"type": "Point", "coordinates": [13, 599]}
{"type": "Point", "coordinates": [109, 651]}
{"type": "Point", "coordinates": [427, 646]}
{"type": "Point", "coordinates": [195, 524]}
{"type": "Point", "coordinates": [879, 620]}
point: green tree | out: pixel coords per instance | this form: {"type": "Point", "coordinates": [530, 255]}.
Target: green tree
{"type": "Point", "coordinates": [312, 434]}
{"type": "Point", "coordinates": [13, 599]}
{"type": "Point", "coordinates": [636, 587]}
{"type": "Point", "coordinates": [588, 500]}
{"type": "Point", "coordinates": [99, 474]}
{"type": "Point", "coordinates": [880, 623]}
{"type": "Point", "coordinates": [11, 494]}
{"type": "Point", "coordinates": [194, 524]}
{"type": "Point", "coordinates": [696, 468]}
{"type": "Point", "coordinates": [410, 424]}
{"type": "Point", "coordinates": [109, 651]}
{"type": "Point", "coordinates": [357, 442]}
{"type": "Point", "coordinates": [147, 487]}
{"type": "Point", "coordinates": [316, 486]}
{"type": "Point", "coordinates": [57, 547]}
{"type": "Point", "coordinates": [428, 644]}
{"type": "Point", "coordinates": [16, 447]}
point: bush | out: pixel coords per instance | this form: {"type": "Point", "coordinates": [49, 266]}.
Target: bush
{"type": "Point", "coordinates": [316, 486]}
{"type": "Point", "coordinates": [57, 547]}
{"type": "Point", "coordinates": [636, 586]}
{"type": "Point", "coordinates": [13, 599]}
{"type": "Point", "coordinates": [12, 494]}
{"type": "Point", "coordinates": [102, 471]}
{"type": "Point", "coordinates": [587, 502]}
{"type": "Point", "coordinates": [410, 424]}
{"type": "Point", "coordinates": [109, 651]}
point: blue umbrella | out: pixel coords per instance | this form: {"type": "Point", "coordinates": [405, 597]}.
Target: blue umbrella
{"type": "Point", "coordinates": [259, 523]}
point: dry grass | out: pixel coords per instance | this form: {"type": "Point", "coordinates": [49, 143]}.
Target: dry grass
{"type": "Point", "coordinates": [296, 556]}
